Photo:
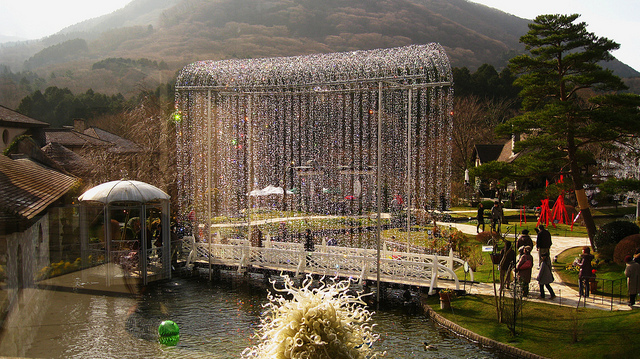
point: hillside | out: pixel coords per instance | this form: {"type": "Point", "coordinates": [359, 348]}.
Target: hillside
{"type": "Point", "coordinates": [177, 32]}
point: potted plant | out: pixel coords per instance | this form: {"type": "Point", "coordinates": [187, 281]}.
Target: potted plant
{"type": "Point", "coordinates": [445, 298]}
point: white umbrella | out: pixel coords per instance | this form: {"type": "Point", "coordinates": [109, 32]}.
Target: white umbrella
{"type": "Point", "coordinates": [124, 191]}
{"type": "Point", "coordinates": [269, 190]}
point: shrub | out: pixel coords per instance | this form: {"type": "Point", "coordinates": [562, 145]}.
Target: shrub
{"type": "Point", "coordinates": [610, 234]}
{"type": "Point", "coordinates": [487, 207]}
{"type": "Point", "coordinates": [484, 237]}
{"type": "Point", "coordinates": [626, 247]}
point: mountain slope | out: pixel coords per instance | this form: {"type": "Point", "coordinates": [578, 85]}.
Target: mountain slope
{"type": "Point", "coordinates": [177, 32]}
{"type": "Point", "coordinates": [136, 13]}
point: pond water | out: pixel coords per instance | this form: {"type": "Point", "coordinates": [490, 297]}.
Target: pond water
{"type": "Point", "coordinates": [216, 320]}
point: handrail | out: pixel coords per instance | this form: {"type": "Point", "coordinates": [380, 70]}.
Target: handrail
{"type": "Point", "coordinates": [602, 284]}
{"type": "Point", "coordinates": [330, 260]}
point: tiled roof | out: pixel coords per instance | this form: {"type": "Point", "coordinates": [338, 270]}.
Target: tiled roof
{"type": "Point", "coordinates": [27, 188]}
{"type": "Point", "coordinates": [9, 117]}
{"type": "Point", "coordinates": [122, 145]}
{"type": "Point", "coordinates": [67, 159]}
{"type": "Point", "coordinates": [70, 138]}
{"type": "Point", "coordinates": [507, 154]}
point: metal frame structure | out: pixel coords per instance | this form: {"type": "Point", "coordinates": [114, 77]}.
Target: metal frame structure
{"type": "Point", "coordinates": [382, 116]}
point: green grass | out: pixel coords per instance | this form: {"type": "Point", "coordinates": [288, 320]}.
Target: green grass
{"type": "Point", "coordinates": [483, 271]}
{"type": "Point", "coordinates": [599, 333]}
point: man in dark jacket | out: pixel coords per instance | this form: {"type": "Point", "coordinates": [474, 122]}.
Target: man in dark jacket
{"type": "Point", "coordinates": [543, 242]}
{"type": "Point", "coordinates": [524, 240]}
{"type": "Point", "coordinates": [496, 217]}
{"type": "Point", "coordinates": [507, 264]}
{"type": "Point", "coordinates": [480, 218]}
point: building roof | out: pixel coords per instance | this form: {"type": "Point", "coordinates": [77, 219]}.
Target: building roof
{"type": "Point", "coordinates": [27, 188]}
{"type": "Point", "coordinates": [70, 138]}
{"type": "Point", "coordinates": [12, 118]}
{"type": "Point", "coordinates": [67, 159]}
{"type": "Point", "coordinates": [488, 153]}
{"type": "Point", "coordinates": [507, 155]}
{"type": "Point", "coordinates": [122, 145]}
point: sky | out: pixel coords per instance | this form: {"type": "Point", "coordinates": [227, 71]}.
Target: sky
{"type": "Point", "coordinates": [34, 19]}
{"type": "Point", "coordinates": [618, 20]}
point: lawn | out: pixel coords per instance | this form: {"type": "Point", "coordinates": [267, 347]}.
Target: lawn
{"type": "Point", "coordinates": [551, 330]}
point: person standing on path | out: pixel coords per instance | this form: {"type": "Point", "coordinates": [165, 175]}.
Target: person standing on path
{"type": "Point", "coordinates": [496, 217]}
{"type": "Point", "coordinates": [309, 245]}
{"type": "Point", "coordinates": [586, 271]}
{"type": "Point", "coordinates": [524, 240]}
{"type": "Point", "coordinates": [545, 277]}
{"type": "Point", "coordinates": [543, 242]}
{"type": "Point", "coordinates": [632, 272]}
{"type": "Point", "coordinates": [523, 269]}
{"type": "Point", "coordinates": [480, 218]}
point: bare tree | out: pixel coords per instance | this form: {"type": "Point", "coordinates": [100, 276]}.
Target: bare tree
{"type": "Point", "coordinates": [148, 125]}
{"type": "Point", "coordinates": [473, 123]}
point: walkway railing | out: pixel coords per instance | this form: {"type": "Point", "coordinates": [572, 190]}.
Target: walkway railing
{"type": "Point", "coordinates": [396, 267]}
{"type": "Point", "coordinates": [605, 291]}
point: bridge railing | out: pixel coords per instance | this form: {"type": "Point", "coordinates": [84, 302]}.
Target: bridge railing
{"type": "Point", "coordinates": [451, 261]}
{"type": "Point", "coordinates": [360, 263]}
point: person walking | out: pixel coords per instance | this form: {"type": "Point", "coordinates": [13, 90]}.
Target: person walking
{"type": "Point", "coordinates": [543, 242]}
{"type": "Point", "coordinates": [545, 277]}
{"type": "Point", "coordinates": [586, 271]}
{"type": "Point", "coordinates": [524, 240]}
{"type": "Point", "coordinates": [632, 272]}
{"type": "Point", "coordinates": [309, 245]}
{"type": "Point", "coordinates": [523, 269]}
{"type": "Point", "coordinates": [480, 217]}
{"type": "Point", "coordinates": [496, 217]}
{"type": "Point", "coordinates": [507, 263]}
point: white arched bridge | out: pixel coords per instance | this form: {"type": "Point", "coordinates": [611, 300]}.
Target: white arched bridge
{"type": "Point", "coordinates": [423, 270]}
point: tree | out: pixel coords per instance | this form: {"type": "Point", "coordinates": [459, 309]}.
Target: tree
{"type": "Point", "coordinates": [148, 125]}
{"type": "Point", "coordinates": [469, 128]}
{"type": "Point", "coordinates": [569, 101]}
{"type": "Point", "coordinates": [497, 173]}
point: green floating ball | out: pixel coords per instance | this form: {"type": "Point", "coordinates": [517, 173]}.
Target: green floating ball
{"type": "Point", "coordinates": [168, 333]}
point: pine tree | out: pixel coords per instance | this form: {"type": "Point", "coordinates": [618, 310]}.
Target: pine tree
{"type": "Point", "coordinates": [569, 101]}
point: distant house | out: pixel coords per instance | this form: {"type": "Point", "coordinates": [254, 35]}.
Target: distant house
{"type": "Point", "coordinates": [68, 160]}
{"type": "Point", "coordinates": [75, 141]}
{"type": "Point", "coordinates": [28, 192]}
{"type": "Point", "coordinates": [14, 124]}
{"type": "Point", "coordinates": [120, 145]}
{"type": "Point", "coordinates": [84, 152]}
{"type": "Point", "coordinates": [483, 154]}
{"type": "Point", "coordinates": [487, 153]}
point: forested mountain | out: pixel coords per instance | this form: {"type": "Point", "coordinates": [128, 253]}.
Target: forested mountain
{"type": "Point", "coordinates": [176, 32]}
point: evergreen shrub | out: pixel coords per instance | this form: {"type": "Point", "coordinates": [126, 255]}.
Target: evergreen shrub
{"type": "Point", "coordinates": [610, 234]}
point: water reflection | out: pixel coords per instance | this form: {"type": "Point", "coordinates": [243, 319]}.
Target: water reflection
{"type": "Point", "coordinates": [216, 321]}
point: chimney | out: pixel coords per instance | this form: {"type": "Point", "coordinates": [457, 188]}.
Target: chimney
{"type": "Point", "coordinates": [78, 125]}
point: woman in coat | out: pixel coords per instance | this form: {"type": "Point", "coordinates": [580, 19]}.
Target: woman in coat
{"type": "Point", "coordinates": [586, 271]}
{"type": "Point", "coordinates": [632, 271]}
{"type": "Point", "coordinates": [523, 269]}
{"type": "Point", "coordinates": [545, 277]}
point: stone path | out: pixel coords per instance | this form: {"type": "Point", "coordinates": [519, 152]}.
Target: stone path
{"type": "Point", "coordinates": [564, 294]}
